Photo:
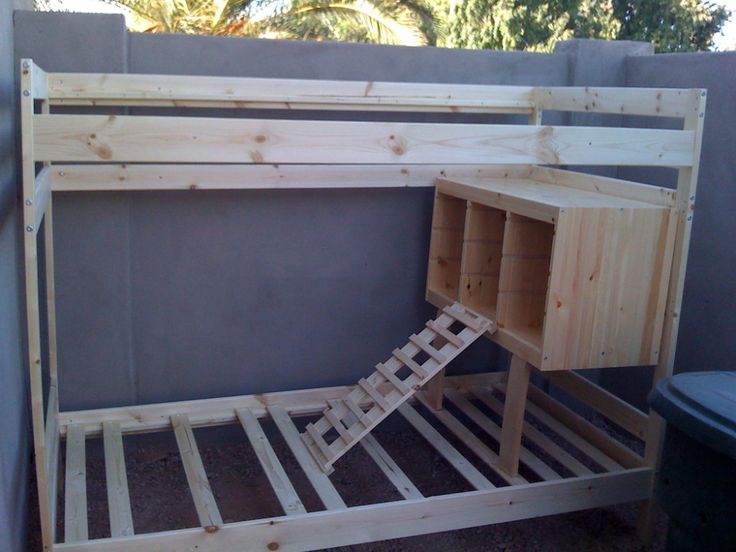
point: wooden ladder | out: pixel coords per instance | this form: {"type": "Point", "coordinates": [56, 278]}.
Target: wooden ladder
{"type": "Point", "coordinates": [344, 423]}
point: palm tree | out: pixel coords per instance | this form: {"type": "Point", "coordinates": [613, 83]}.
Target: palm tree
{"type": "Point", "coordinates": [404, 22]}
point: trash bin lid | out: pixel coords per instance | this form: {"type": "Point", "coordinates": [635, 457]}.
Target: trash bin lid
{"type": "Point", "coordinates": [702, 405]}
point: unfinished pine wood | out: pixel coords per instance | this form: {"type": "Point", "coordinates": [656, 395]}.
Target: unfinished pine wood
{"type": "Point", "coordinates": [513, 415]}
{"type": "Point", "coordinates": [397, 519]}
{"type": "Point", "coordinates": [118, 497]}
{"type": "Point", "coordinates": [615, 409]}
{"type": "Point", "coordinates": [280, 483]}
{"type": "Point", "coordinates": [479, 448]}
{"type": "Point", "coordinates": [535, 436]}
{"type": "Point", "coordinates": [442, 446]}
{"type": "Point", "coordinates": [112, 177]}
{"type": "Point", "coordinates": [386, 463]}
{"type": "Point", "coordinates": [75, 487]}
{"type": "Point", "coordinates": [536, 465]}
{"type": "Point", "coordinates": [327, 453]}
{"type": "Point", "coordinates": [121, 138]}
{"type": "Point", "coordinates": [596, 444]}
{"type": "Point", "coordinates": [321, 483]}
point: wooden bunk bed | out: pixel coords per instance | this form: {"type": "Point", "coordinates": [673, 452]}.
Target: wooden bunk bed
{"type": "Point", "coordinates": [563, 269]}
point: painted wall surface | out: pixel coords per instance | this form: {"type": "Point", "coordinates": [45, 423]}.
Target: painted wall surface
{"type": "Point", "coordinates": [14, 418]}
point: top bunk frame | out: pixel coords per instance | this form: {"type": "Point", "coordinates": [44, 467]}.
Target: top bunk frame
{"type": "Point", "coordinates": [133, 150]}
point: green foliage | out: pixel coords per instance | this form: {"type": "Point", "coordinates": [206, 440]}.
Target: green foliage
{"type": "Point", "coordinates": [673, 25]}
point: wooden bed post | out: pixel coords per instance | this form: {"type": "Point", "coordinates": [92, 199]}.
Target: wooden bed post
{"type": "Point", "coordinates": [687, 182]}
{"type": "Point", "coordinates": [36, 202]}
{"type": "Point", "coordinates": [513, 414]}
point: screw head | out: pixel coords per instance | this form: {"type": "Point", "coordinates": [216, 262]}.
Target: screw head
{"type": "Point", "coordinates": [29, 228]}
{"type": "Point", "coordinates": [29, 202]}
{"type": "Point", "coordinates": [701, 115]}
{"type": "Point", "coordinates": [26, 92]}
{"type": "Point", "coordinates": [692, 198]}
{"type": "Point", "coordinates": [690, 217]}
{"type": "Point", "coordinates": [62, 173]}
{"type": "Point", "coordinates": [703, 93]}
{"type": "Point", "coordinates": [26, 65]}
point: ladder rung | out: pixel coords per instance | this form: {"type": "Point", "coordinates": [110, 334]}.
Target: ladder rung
{"type": "Point", "coordinates": [445, 333]}
{"type": "Point", "coordinates": [355, 409]}
{"type": "Point", "coordinates": [392, 379]}
{"type": "Point", "coordinates": [337, 424]}
{"type": "Point", "coordinates": [410, 363]}
{"type": "Point", "coordinates": [427, 348]}
{"type": "Point", "coordinates": [374, 394]}
{"type": "Point", "coordinates": [472, 323]}
{"type": "Point", "coordinates": [320, 442]}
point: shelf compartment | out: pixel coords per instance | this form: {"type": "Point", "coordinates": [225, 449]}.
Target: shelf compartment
{"type": "Point", "coordinates": [481, 260]}
{"type": "Point", "coordinates": [446, 245]}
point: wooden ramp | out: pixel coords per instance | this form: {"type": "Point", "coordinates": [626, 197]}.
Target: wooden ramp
{"type": "Point", "coordinates": [344, 423]}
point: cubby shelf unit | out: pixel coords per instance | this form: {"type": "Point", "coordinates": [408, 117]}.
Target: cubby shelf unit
{"type": "Point", "coordinates": [496, 237]}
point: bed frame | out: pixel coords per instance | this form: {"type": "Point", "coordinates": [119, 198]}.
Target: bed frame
{"type": "Point", "coordinates": [90, 152]}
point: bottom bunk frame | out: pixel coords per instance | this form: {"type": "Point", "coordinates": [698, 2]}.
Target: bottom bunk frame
{"type": "Point", "coordinates": [597, 469]}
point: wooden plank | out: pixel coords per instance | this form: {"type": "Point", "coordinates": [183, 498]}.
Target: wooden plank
{"type": "Point", "coordinates": [69, 178]}
{"type": "Point", "coordinates": [41, 196]}
{"type": "Point", "coordinates": [427, 348]}
{"type": "Point", "coordinates": [75, 488]}
{"type": "Point", "coordinates": [594, 443]}
{"type": "Point", "coordinates": [486, 424]}
{"type": "Point", "coordinates": [479, 448]}
{"type": "Point", "coordinates": [409, 362]}
{"type": "Point", "coordinates": [445, 334]}
{"type": "Point", "coordinates": [120, 138]}
{"type": "Point", "coordinates": [513, 414]}
{"type": "Point", "coordinates": [387, 465]}
{"type": "Point", "coordinates": [536, 436]}
{"type": "Point", "coordinates": [612, 407]}
{"type": "Point", "coordinates": [118, 497]}
{"type": "Point", "coordinates": [45, 482]}
{"type": "Point", "coordinates": [199, 486]}
{"type": "Point", "coordinates": [319, 480]}
{"type": "Point", "coordinates": [282, 487]}
{"type": "Point", "coordinates": [180, 91]}
{"type": "Point", "coordinates": [319, 530]}
{"type": "Point", "coordinates": [316, 439]}
{"type": "Point", "coordinates": [392, 379]}
{"type": "Point", "coordinates": [654, 102]}
{"type": "Point", "coordinates": [374, 394]}
{"type": "Point", "coordinates": [442, 446]}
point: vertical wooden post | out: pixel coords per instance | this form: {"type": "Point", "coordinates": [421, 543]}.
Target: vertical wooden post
{"type": "Point", "coordinates": [513, 415]}
{"type": "Point", "coordinates": [46, 494]}
{"type": "Point", "coordinates": [687, 182]}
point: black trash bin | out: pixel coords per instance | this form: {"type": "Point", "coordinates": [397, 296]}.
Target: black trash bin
{"type": "Point", "coordinates": [696, 484]}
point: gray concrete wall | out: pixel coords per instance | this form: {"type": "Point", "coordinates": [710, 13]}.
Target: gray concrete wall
{"type": "Point", "coordinates": [14, 419]}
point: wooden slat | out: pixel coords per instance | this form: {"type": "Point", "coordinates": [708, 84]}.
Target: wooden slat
{"type": "Point", "coordinates": [111, 177]}
{"type": "Point", "coordinates": [467, 437]}
{"type": "Point", "coordinates": [319, 480]}
{"type": "Point", "coordinates": [282, 487]}
{"type": "Point", "coordinates": [536, 436]}
{"type": "Point", "coordinates": [392, 379]}
{"type": "Point", "coordinates": [442, 446]}
{"type": "Point", "coordinates": [427, 348]}
{"type": "Point", "coordinates": [461, 317]}
{"type": "Point", "coordinates": [199, 485]}
{"type": "Point", "coordinates": [176, 90]}
{"type": "Point", "coordinates": [409, 362]}
{"type": "Point", "coordinates": [575, 427]}
{"type": "Point", "coordinates": [445, 333]}
{"type": "Point", "coordinates": [374, 394]}
{"type": "Point", "coordinates": [42, 194]}
{"type": "Point", "coordinates": [387, 465]}
{"type": "Point", "coordinates": [118, 497]}
{"type": "Point", "coordinates": [75, 488]}
{"type": "Point", "coordinates": [93, 138]}
{"type": "Point", "coordinates": [655, 102]}
{"type": "Point", "coordinates": [400, 518]}
{"type": "Point", "coordinates": [615, 409]}
{"type": "Point", "coordinates": [319, 442]}
{"type": "Point", "coordinates": [491, 428]}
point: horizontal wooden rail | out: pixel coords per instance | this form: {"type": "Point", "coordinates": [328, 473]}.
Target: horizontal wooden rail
{"type": "Point", "coordinates": [181, 91]}
{"type": "Point", "coordinates": [102, 138]}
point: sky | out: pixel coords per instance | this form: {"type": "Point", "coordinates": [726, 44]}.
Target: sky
{"type": "Point", "coordinates": [726, 40]}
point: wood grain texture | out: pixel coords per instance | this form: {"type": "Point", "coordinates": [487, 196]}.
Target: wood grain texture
{"type": "Point", "coordinates": [115, 138]}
